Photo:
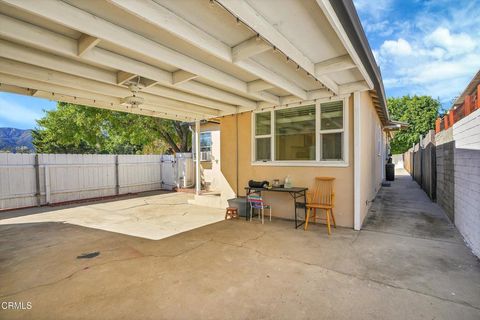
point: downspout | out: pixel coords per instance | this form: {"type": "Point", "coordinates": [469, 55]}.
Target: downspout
{"type": "Point", "coordinates": [236, 153]}
{"type": "Point", "coordinates": [357, 219]}
{"type": "Point", "coordinates": [198, 182]}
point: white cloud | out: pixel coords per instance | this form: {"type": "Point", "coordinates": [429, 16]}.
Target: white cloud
{"type": "Point", "coordinates": [400, 47]}
{"type": "Point", "coordinates": [11, 112]}
{"type": "Point", "coordinates": [445, 70]}
{"type": "Point", "coordinates": [382, 28]}
{"type": "Point", "coordinates": [439, 63]}
{"type": "Point", "coordinates": [452, 43]}
{"type": "Point", "coordinates": [424, 47]}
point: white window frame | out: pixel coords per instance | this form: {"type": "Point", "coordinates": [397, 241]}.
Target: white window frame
{"type": "Point", "coordinates": [206, 156]}
{"type": "Point", "coordinates": [304, 163]}
{"type": "Point", "coordinates": [255, 137]}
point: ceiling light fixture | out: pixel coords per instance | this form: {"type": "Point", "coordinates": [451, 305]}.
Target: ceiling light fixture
{"type": "Point", "coordinates": [134, 100]}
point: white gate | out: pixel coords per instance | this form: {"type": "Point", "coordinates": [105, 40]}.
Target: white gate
{"type": "Point", "coordinates": [169, 172]}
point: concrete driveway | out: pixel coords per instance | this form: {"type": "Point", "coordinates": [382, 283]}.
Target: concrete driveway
{"type": "Point", "coordinates": [245, 270]}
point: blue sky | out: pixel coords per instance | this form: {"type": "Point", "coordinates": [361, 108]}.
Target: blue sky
{"type": "Point", "coordinates": [422, 47]}
{"type": "Point", "coordinates": [18, 111]}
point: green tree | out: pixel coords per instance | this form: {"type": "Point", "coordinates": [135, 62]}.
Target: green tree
{"type": "Point", "coordinates": [74, 128]}
{"type": "Point", "coordinates": [419, 112]}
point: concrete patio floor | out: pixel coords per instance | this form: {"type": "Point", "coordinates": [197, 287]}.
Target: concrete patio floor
{"type": "Point", "coordinates": [153, 215]}
{"type": "Point", "coordinates": [407, 263]}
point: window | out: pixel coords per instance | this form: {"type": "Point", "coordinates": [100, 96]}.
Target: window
{"type": "Point", "coordinates": [311, 134]}
{"type": "Point", "coordinates": [295, 133]}
{"type": "Point", "coordinates": [331, 130]}
{"type": "Point", "coordinates": [205, 146]}
{"type": "Point", "coordinates": [263, 136]}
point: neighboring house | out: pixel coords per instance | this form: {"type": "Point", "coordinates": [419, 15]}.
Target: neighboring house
{"type": "Point", "coordinates": [466, 103]}
{"type": "Point", "coordinates": [293, 84]}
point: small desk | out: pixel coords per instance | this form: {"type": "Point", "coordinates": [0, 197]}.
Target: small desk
{"type": "Point", "coordinates": [295, 192]}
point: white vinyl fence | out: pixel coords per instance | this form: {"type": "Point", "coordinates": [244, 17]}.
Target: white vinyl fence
{"type": "Point", "coordinates": [31, 179]}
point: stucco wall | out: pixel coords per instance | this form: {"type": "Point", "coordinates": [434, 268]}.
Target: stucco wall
{"type": "Point", "coordinates": [282, 204]}
{"type": "Point", "coordinates": [371, 153]}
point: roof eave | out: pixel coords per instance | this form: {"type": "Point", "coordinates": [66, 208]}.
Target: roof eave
{"type": "Point", "coordinates": [347, 14]}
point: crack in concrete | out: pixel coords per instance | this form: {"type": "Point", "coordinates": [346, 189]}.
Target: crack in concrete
{"type": "Point", "coordinates": [243, 244]}
{"type": "Point", "coordinates": [356, 237]}
{"type": "Point", "coordinates": [371, 280]}
{"type": "Point", "coordinates": [69, 276]}
{"type": "Point", "coordinates": [102, 264]}
{"type": "Point", "coordinates": [184, 251]}
{"type": "Point", "coordinates": [367, 279]}
{"type": "Point", "coordinates": [413, 237]}
{"type": "Point", "coordinates": [262, 234]}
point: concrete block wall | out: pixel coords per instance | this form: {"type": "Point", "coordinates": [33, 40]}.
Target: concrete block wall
{"type": "Point", "coordinates": [456, 160]}
{"type": "Point", "coordinates": [445, 177]}
{"type": "Point", "coordinates": [466, 135]}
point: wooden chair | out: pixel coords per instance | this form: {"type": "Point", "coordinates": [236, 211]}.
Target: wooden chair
{"type": "Point", "coordinates": [256, 202]}
{"type": "Point", "coordinates": [322, 199]}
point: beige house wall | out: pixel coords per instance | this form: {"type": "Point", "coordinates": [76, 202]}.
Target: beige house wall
{"type": "Point", "coordinates": [237, 173]}
{"type": "Point", "coordinates": [372, 153]}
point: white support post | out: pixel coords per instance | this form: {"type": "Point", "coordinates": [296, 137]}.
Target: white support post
{"type": "Point", "coordinates": [198, 182]}
{"type": "Point", "coordinates": [357, 219]}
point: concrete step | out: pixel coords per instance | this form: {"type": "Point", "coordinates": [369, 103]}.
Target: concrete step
{"type": "Point", "coordinates": [209, 200]}
{"type": "Point", "coordinates": [211, 193]}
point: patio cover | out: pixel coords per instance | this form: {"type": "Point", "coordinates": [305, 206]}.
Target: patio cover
{"type": "Point", "coordinates": [189, 60]}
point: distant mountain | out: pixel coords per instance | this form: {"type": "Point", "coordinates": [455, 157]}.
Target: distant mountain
{"type": "Point", "coordinates": [16, 140]}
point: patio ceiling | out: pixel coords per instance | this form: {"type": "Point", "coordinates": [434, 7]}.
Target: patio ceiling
{"type": "Point", "coordinates": [190, 59]}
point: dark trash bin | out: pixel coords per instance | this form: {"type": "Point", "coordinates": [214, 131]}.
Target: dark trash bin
{"type": "Point", "coordinates": [390, 171]}
{"type": "Point", "coordinates": [240, 204]}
